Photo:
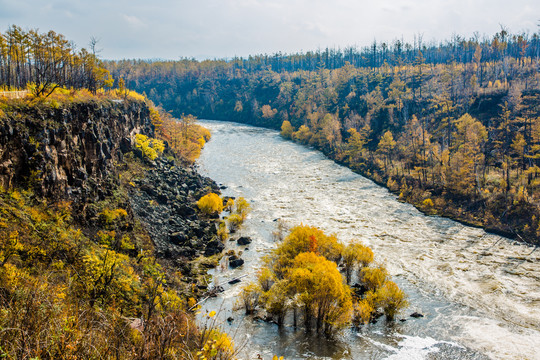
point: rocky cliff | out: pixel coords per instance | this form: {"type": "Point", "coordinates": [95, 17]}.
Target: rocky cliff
{"type": "Point", "coordinates": [78, 152]}
{"type": "Point", "coordinates": [69, 151]}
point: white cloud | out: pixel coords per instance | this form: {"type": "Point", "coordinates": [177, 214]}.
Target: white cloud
{"type": "Point", "coordinates": [134, 21]}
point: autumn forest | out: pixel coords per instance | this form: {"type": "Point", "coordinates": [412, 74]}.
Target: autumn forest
{"type": "Point", "coordinates": [451, 127]}
{"type": "Point", "coordinates": [112, 239]}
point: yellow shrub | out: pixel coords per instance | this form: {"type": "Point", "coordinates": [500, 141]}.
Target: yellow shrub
{"type": "Point", "coordinates": [391, 299]}
{"type": "Point", "coordinates": [217, 346]}
{"type": "Point", "coordinates": [210, 204]}
{"type": "Point", "coordinates": [242, 207]}
{"type": "Point", "coordinates": [363, 310]}
{"type": "Point", "coordinates": [287, 130]}
{"type": "Point", "coordinates": [302, 135]}
{"type": "Point", "coordinates": [108, 216]}
{"type": "Point", "coordinates": [223, 232]}
{"type": "Point", "coordinates": [355, 254]}
{"type": "Point", "coordinates": [266, 279]}
{"type": "Point", "coordinates": [12, 277]}
{"type": "Point", "coordinates": [373, 278]}
{"type": "Point", "coordinates": [135, 95]}
{"type": "Point", "coordinates": [427, 203]}
{"type": "Point", "coordinates": [151, 148]}
{"type": "Point", "coordinates": [234, 221]}
{"type": "Point", "coordinates": [106, 238]}
{"type": "Point", "coordinates": [229, 205]}
{"type": "Point", "coordinates": [126, 243]}
{"type": "Point", "coordinates": [249, 297]}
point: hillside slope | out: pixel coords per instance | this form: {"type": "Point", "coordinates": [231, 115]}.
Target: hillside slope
{"type": "Point", "coordinates": [101, 246]}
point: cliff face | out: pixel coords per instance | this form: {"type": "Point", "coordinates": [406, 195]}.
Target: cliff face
{"type": "Point", "coordinates": [78, 153]}
{"type": "Point", "coordinates": [68, 152]}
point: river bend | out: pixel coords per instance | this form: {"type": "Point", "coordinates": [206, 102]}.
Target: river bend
{"type": "Point", "coordinates": [480, 293]}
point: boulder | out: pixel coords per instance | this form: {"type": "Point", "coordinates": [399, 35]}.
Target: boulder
{"type": "Point", "coordinates": [244, 240]}
{"type": "Point", "coordinates": [185, 210]}
{"type": "Point", "coordinates": [236, 263]}
{"type": "Point", "coordinates": [214, 247]}
{"type": "Point", "coordinates": [178, 238]}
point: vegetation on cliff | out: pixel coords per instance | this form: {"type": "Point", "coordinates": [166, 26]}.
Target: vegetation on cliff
{"type": "Point", "coordinates": [453, 128]}
{"type": "Point", "coordinates": [80, 271]}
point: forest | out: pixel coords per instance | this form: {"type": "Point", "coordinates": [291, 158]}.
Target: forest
{"type": "Point", "coordinates": [453, 128]}
{"type": "Point", "coordinates": [45, 61]}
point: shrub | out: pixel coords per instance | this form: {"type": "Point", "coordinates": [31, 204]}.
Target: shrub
{"type": "Point", "coordinates": [362, 311]}
{"type": "Point", "coordinates": [223, 232]}
{"type": "Point", "coordinates": [229, 204]}
{"type": "Point", "coordinates": [287, 130]}
{"type": "Point", "coordinates": [266, 279]}
{"type": "Point", "coordinates": [249, 297]}
{"type": "Point", "coordinates": [391, 299]}
{"type": "Point", "coordinates": [242, 207]}
{"type": "Point", "coordinates": [427, 203]}
{"type": "Point", "coordinates": [277, 300]}
{"type": "Point", "coordinates": [210, 204]}
{"type": "Point", "coordinates": [373, 278]}
{"type": "Point", "coordinates": [108, 216]}
{"type": "Point", "coordinates": [234, 221]}
{"type": "Point", "coordinates": [356, 254]}
{"type": "Point", "coordinates": [151, 148]}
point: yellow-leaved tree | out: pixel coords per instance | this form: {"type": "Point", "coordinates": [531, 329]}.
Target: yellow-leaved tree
{"type": "Point", "coordinates": [355, 254]}
{"type": "Point", "coordinates": [305, 239]}
{"type": "Point", "coordinates": [210, 204]}
{"type": "Point", "coordinates": [321, 293]}
{"type": "Point", "coordinates": [287, 130]}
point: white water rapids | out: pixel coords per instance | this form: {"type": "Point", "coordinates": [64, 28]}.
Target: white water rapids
{"type": "Point", "coordinates": [480, 293]}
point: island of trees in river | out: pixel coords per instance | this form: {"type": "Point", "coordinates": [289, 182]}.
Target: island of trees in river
{"type": "Point", "coordinates": [452, 127]}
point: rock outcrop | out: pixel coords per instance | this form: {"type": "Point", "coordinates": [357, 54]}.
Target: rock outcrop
{"type": "Point", "coordinates": [70, 151]}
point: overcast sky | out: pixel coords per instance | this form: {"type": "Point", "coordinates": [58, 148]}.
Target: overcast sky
{"type": "Point", "coordinates": [170, 29]}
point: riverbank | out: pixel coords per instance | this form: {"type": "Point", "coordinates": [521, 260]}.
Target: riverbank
{"type": "Point", "coordinates": [508, 215]}
{"type": "Point", "coordinates": [449, 210]}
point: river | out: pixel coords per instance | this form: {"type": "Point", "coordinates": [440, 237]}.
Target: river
{"type": "Point", "coordinates": [479, 293]}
